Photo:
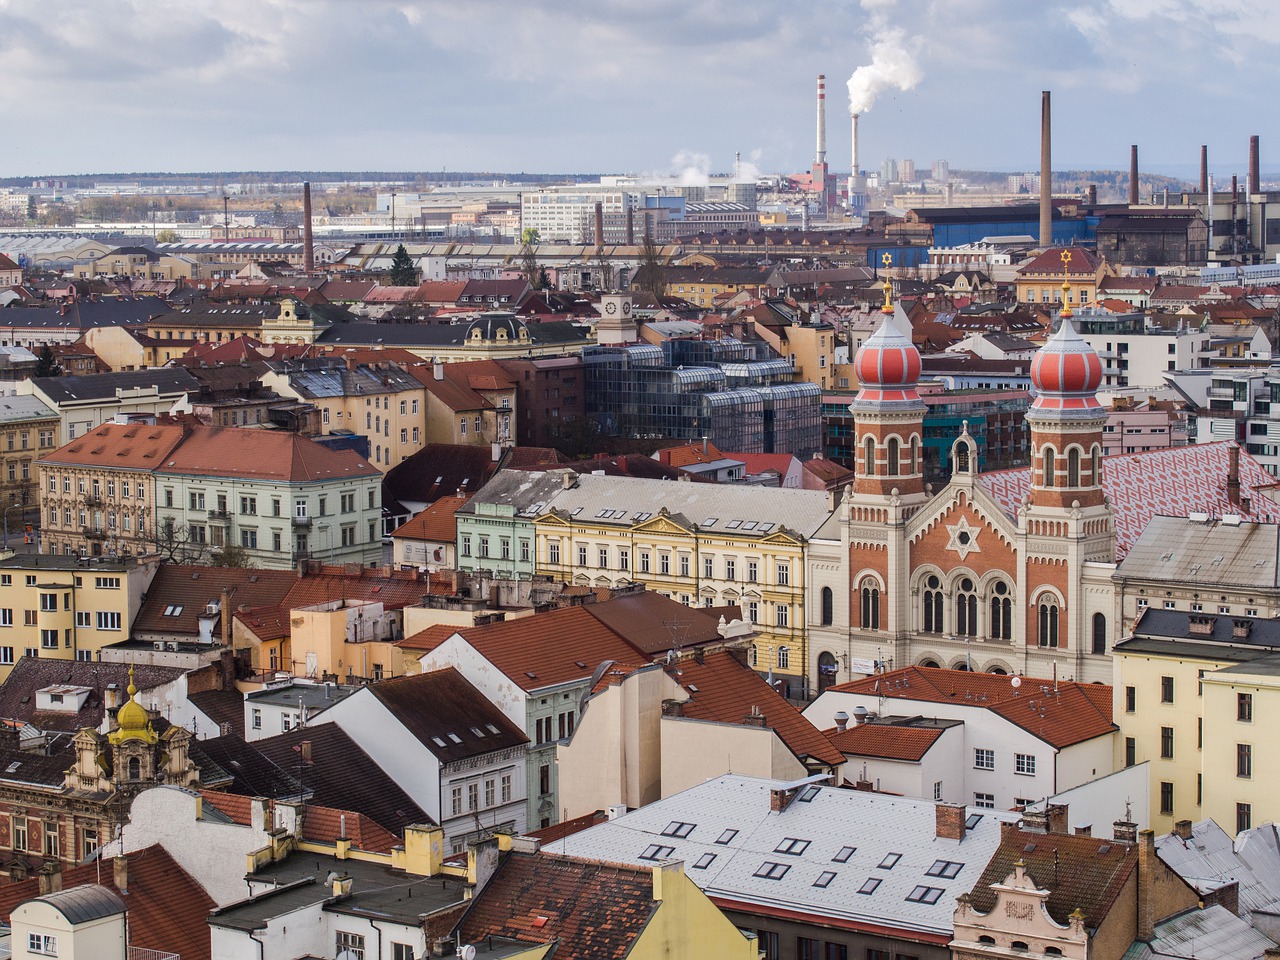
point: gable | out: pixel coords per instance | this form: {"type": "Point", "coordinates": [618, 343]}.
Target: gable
{"type": "Point", "coordinates": [662, 524]}
{"type": "Point", "coordinates": [960, 533]}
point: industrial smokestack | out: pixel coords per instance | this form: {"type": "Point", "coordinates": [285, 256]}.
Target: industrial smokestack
{"type": "Point", "coordinates": [308, 252]}
{"type": "Point", "coordinates": [1204, 168]}
{"type": "Point", "coordinates": [631, 226]}
{"type": "Point", "coordinates": [1133, 175]}
{"type": "Point", "coordinates": [855, 145]}
{"type": "Point", "coordinates": [1046, 174]}
{"type": "Point", "coordinates": [822, 119]}
{"type": "Point", "coordinates": [1255, 180]}
{"type": "Point", "coordinates": [1091, 195]}
{"type": "Point", "coordinates": [599, 224]}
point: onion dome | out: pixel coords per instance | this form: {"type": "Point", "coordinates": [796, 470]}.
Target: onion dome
{"type": "Point", "coordinates": [1066, 373]}
{"type": "Point", "coordinates": [888, 366]}
{"type": "Point", "coordinates": [132, 720]}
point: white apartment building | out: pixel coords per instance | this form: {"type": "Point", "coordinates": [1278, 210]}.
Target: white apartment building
{"type": "Point", "coordinates": [567, 215]}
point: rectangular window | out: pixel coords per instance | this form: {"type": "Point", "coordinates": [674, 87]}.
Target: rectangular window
{"type": "Point", "coordinates": [792, 846]}
{"type": "Point", "coordinates": [656, 851]}
{"type": "Point", "coordinates": [624, 558]}
{"type": "Point", "coordinates": [108, 620]}
{"type": "Point", "coordinates": [249, 538]}
{"type": "Point", "coordinates": [753, 571]}
{"type": "Point", "coordinates": [49, 639]}
{"type": "Point", "coordinates": [84, 618]}
{"type": "Point", "coordinates": [644, 561]}
{"type": "Point", "coordinates": [52, 840]}
{"type": "Point", "coordinates": [466, 545]}
{"type": "Point", "coordinates": [490, 792]}
{"type": "Point", "coordinates": [6, 617]}
{"type": "Point", "coordinates": [807, 949]}
{"type": "Point", "coordinates": [782, 614]}
{"type": "Point", "coordinates": [48, 602]}
{"type": "Point", "coordinates": [602, 555]}
{"type": "Point", "coordinates": [684, 566]}
{"type": "Point", "coordinates": [553, 552]}
{"type": "Point", "coordinates": [986, 801]}
{"type": "Point", "coordinates": [924, 894]}
{"type": "Point", "coordinates": [582, 555]}
{"type": "Point", "coordinates": [6, 655]}
{"type": "Point", "coordinates": [946, 869]}
{"type": "Point", "coordinates": [1024, 763]}
{"type": "Point", "coordinates": [1166, 743]}
{"type": "Point", "coordinates": [771, 871]}
{"type": "Point", "coordinates": [1130, 751]}
{"type": "Point", "coordinates": [708, 567]}
{"type": "Point", "coordinates": [18, 833]}
{"type": "Point", "coordinates": [45, 944]}
{"type": "Point", "coordinates": [505, 785]}
{"type": "Point", "coordinates": [473, 797]}
{"type": "Point", "coordinates": [249, 505]}
{"type": "Point", "coordinates": [844, 855]}
{"type": "Point", "coordinates": [352, 943]}
{"type": "Point", "coordinates": [1244, 707]}
{"type": "Point", "coordinates": [869, 885]}
{"type": "Point", "coordinates": [1166, 797]}
{"type": "Point", "coordinates": [455, 799]}
{"type": "Point", "coordinates": [107, 583]}
{"type": "Point", "coordinates": [1244, 817]}
{"type": "Point", "coordinates": [1244, 760]}
{"type": "Point", "coordinates": [784, 573]}
{"type": "Point", "coordinates": [1166, 689]}
{"type": "Point", "coordinates": [664, 563]}
{"type": "Point", "coordinates": [1130, 699]}
{"type": "Point", "coordinates": [730, 568]}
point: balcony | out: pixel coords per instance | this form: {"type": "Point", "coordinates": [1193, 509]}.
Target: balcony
{"type": "Point", "coordinates": [1222, 393]}
{"type": "Point", "coordinates": [144, 953]}
{"type": "Point", "coordinates": [93, 533]}
{"type": "Point", "coordinates": [301, 521]}
{"type": "Point", "coordinates": [90, 500]}
{"type": "Point", "coordinates": [219, 516]}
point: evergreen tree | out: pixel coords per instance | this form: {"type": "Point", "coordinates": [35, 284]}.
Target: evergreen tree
{"type": "Point", "coordinates": [47, 364]}
{"type": "Point", "coordinates": [403, 272]}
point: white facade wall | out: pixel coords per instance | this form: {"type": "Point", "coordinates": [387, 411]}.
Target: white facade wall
{"type": "Point", "coordinates": [499, 689]}
{"type": "Point", "coordinates": [944, 764]}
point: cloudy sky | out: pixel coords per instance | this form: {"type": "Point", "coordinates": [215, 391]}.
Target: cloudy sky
{"type": "Point", "coordinates": [626, 86]}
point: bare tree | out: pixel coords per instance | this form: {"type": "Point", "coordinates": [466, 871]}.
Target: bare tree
{"type": "Point", "coordinates": [176, 545]}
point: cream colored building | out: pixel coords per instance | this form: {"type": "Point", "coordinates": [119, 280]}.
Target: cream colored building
{"type": "Point", "coordinates": [1241, 769]}
{"type": "Point", "coordinates": [28, 429]}
{"type": "Point", "coordinates": [63, 608]}
{"type": "Point", "coordinates": [698, 543]}
{"type": "Point", "coordinates": [82, 923]}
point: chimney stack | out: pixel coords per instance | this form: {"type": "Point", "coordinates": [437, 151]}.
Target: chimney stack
{"type": "Point", "coordinates": [855, 145]}
{"type": "Point", "coordinates": [308, 253]}
{"type": "Point", "coordinates": [631, 226]}
{"type": "Point", "coordinates": [599, 224]}
{"type": "Point", "coordinates": [1255, 181]}
{"type": "Point", "coordinates": [822, 119]}
{"type": "Point", "coordinates": [120, 873]}
{"type": "Point", "coordinates": [1133, 175]}
{"type": "Point", "coordinates": [1091, 195]}
{"type": "Point", "coordinates": [1233, 475]}
{"type": "Point", "coordinates": [1204, 168]}
{"type": "Point", "coordinates": [1046, 174]}
{"type": "Point", "coordinates": [1146, 882]}
{"type": "Point", "coordinates": [842, 721]}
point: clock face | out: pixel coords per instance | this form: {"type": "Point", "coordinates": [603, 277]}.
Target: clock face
{"type": "Point", "coordinates": [626, 308]}
{"type": "Point", "coordinates": [611, 307]}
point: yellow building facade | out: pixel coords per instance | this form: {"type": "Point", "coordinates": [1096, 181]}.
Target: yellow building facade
{"type": "Point", "coordinates": [1241, 768]}
{"type": "Point", "coordinates": [61, 608]}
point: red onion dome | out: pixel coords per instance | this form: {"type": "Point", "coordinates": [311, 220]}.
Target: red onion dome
{"type": "Point", "coordinates": [887, 360]}
{"type": "Point", "coordinates": [1066, 372]}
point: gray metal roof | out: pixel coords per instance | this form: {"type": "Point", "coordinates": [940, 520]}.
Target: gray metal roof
{"type": "Point", "coordinates": [1208, 552]}
{"type": "Point", "coordinates": [84, 903]}
{"type": "Point", "coordinates": [1212, 933]}
{"type": "Point", "coordinates": [170, 381]}
{"type": "Point", "coordinates": [734, 836]}
{"type": "Point", "coordinates": [1211, 859]}
{"type": "Point", "coordinates": [528, 492]}
{"type": "Point", "coordinates": [18, 409]}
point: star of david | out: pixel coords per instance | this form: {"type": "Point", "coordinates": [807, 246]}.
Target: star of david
{"type": "Point", "coordinates": [962, 537]}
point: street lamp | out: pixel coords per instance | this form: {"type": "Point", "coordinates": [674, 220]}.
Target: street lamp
{"type": "Point", "coordinates": [14, 505]}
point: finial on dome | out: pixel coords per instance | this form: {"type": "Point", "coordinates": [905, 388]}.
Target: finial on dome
{"type": "Point", "coordinates": [887, 260]}
{"type": "Point", "coordinates": [964, 428]}
{"type": "Point", "coordinates": [1065, 312]}
{"type": "Point", "coordinates": [131, 689]}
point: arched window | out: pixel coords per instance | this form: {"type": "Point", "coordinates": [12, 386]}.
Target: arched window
{"type": "Point", "coordinates": [784, 658]}
{"type": "Point", "coordinates": [135, 768]}
{"type": "Point", "coordinates": [962, 457]}
{"type": "Point", "coordinates": [1048, 467]}
{"type": "Point", "coordinates": [1048, 634]}
{"type": "Point", "coordinates": [893, 457]}
{"type": "Point", "coordinates": [1099, 633]}
{"type": "Point", "coordinates": [870, 596]}
{"type": "Point", "coordinates": [1095, 465]}
{"type": "Point", "coordinates": [1001, 623]}
{"type": "Point", "coordinates": [869, 457]}
{"type": "Point", "coordinates": [966, 609]}
{"type": "Point", "coordinates": [962, 665]}
{"type": "Point", "coordinates": [755, 655]}
{"type": "Point", "coordinates": [929, 663]}
{"type": "Point", "coordinates": [1017, 945]}
{"type": "Point", "coordinates": [998, 671]}
{"type": "Point", "coordinates": [915, 455]}
{"type": "Point", "coordinates": [828, 606]}
{"type": "Point", "coordinates": [826, 670]}
{"type": "Point", "coordinates": [933, 605]}
{"type": "Point", "coordinates": [1073, 467]}
{"type": "Point", "coordinates": [986, 939]}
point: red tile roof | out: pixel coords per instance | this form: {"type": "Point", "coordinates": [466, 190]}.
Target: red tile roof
{"type": "Point", "coordinates": [120, 447]}
{"type": "Point", "coordinates": [434, 524]}
{"type": "Point", "coordinates": [263, 455]}
{"type": "Point", "coordinates": [567, 828]}
{"type": "Point", "coordinates": [319, 824]}
{"type": "Point", "coordinates": [884, 740]}
{"type": "Point", "coordinates": [1176, 482]}
{"type": "Point", "coordinates": [589, 909]}
{"type": "Point", "coordinates": [689, 453]}
{"type": "Point", "coordinates": [168, 910]}
{"type": "Point", "coordinates": [1083, 262]}
{"type": "Point", "coordinates": [192, 588]}
{"type": "Point", "coordinates": [1074, 713]}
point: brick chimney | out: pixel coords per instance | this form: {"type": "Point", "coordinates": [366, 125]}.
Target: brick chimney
{"type": "Point", "coordinates": [1146, 865]}
{"type": "Point", "coordinates": [1182, 829]}
{"type": "Point", "coordinates": [1057, 817]}
{"type": "Point", "coordinates": [120, 873]}
{"type": "Point", "coordinates": [754, 719]}
{"type": "Point", "coordinates": [780, 798]}
{"type": "Point", "coordinates": [1233, 474]}
{"type": "Point", "coordinates": [1124, 831]}
{"type": "Point", "coordinates": [673, 708]}
{"type": "Point", "coordinates": [949, 819]}
{"type": "Point", "coordinates": [50, 877]}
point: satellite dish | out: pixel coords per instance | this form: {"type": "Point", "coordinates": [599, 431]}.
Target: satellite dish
{"type": "Point", "coordinates": [1016, 682]}
{"type": "Point", "coordinates": [467, 952]}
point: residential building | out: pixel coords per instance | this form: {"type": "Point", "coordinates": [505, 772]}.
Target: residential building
{"type": "Point", "coordinates": [469, 402]}
{"type": "Point", "coordinates": [1041, 279]}
{"type": "Point", "coordinates": [437, 470]}
{"type": "Point", "coordinates": [91, 401]}
{"type": "Point", "coordinates": [652, 730]}
{"type": "Point", "coordinates": [275, 496]}
{"type": "Point", "coordinates": [491, 336]}
{"type": "Point", "coordinates": [430, 538]}
{"type": "Point", "coordinates": [30, 429]}
{"type": "Point", "coordinates": [701, 544]}
{"type": "Point", "coordinates": [1135, 353]}
{"type": "Point", "coordinates": [915, 756]}
{"type": "Point", "coordinates": [65, 608]}
{"type": "Point", "coordinates": [495, 528]}
{"type": "Point", "coordinates": [281, 707]}
{"type": "Point", "coordinates": [1023, 739]}
{"type": "Point", "coordinates": [446, 745]}
{"type": "Point", "coordinates": [379, 401]}
{"type": "Point", "coordinates": [550, 391]}
{"type": "Point", "coordinates": [538, 669]}
{"type": "Point", "coordinates": [597, 909]}
{"type": "Point", "coordinates": [814, 870]}
{"type": "Point", "coordinates": [809, 344]}
{"type": "Point", "coordinates": [97, 492]}
{"type": "Point", "coordinates": [567, 215]}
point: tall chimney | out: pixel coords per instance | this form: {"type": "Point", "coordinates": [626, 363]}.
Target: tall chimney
{"type": "Point", "coordinates": [631, 226]}
{"type": "Point", "coordinates": [1255, 181]}
{"type": "Point", "coordinates": [855, 145]}
{"type": "Point", "coordinates": [822, 119]}
{"type": "Point", "coordinates": [1091, 194]}
{"type": "Point", "coordinates": [1133, 175]}
{"type": "Point", "coordinates": [599, 224]}
{"type": "Point", "coordinates": [308, 254]}
{"type": "Point", "coordinates": [1233, 475]}
{"type": "Point", "coordinates": [1046, 174]}
{"type": "Point", "coordinates": [1204, 168]}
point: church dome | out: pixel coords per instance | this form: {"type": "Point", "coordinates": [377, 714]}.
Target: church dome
{"type": "Point", "coordinates": [1066, 371]}
{"type": "Point", "coordinates": [132, 719]}
{"type": "Point", "coordinates": [497, 327]}
{"type": "Point", "coordinates": [888, 366]}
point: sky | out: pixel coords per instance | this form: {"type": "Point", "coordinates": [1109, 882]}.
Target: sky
{"type": "Point", "coordinates": [618, 86]}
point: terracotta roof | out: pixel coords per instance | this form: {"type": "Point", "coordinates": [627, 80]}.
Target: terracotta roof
{"type": "Point", "coordinates": [1076, 712]}
{"type": "Point", "coordinates": [588, 908]}
{"type": "Point", "coordinates": [1176, 482]}
{"type": "Point", "coordinates": [439, 469]}
{"type": "Point", "coordinates": [440, 291]}
{"type": "Point", "coordinates": [168, 910]}
{"type": "Point", "coordinates": [641, 620]}
{"type": "Point", "coordinates": [399, 589]}
{"type": "Point", "coordinates": [29, 674]}
{"type": "Point", "coordinates": [262, 455]}
{"type": "Point", "coordinates": [884, 740]}
{"type": "Point", "coordinates": [1049, 262]}
{"type": "Point", "coordinates": [235, 806]}
{"type": "Point", "coordinates": [189, 589]}
{"type": "Point", "coordinates": [1085, 873]}
{"type": "Point", "coordinates": [269, 622]}
{"type": "Point", "coordinates": [447, 715]}
{"type": "Point", "coordinates": [119, 447]}
{"type": "Point", "coordinates": [434, 524]}
{"type": "Point", "coordinates": [689, 453]}
{"type": "Point", "coordinates": [722, 689]}
{"type": "Point", "coordinates": [566, 828]}
{"type": "Point", "coordinates": [780, 463]}
{"type": "Point", "coordinates": [320, 824]}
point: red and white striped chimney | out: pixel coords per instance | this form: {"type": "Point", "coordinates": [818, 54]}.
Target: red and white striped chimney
{"type": "Point", "coordinates": [822, 119]}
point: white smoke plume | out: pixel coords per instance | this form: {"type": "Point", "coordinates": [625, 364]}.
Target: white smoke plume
{"type": "Point", "coordinates": [749, 169]}
{"type": "Point", "coordinates": [893, 65]}
{"type": "Point", "coordinates": [691, 169]}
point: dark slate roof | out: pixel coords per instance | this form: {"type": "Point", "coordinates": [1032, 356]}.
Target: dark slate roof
{"type": "Point", "coordinates": [84, 903]}
{"type": "Point", "coordinates": [252, 773]}
{"type": "Point", "coordinates": [222, 707]}
{"type": "Point", "coordinates": [343, 776]}
{"type": "Point", "coordinates": [641, 619]}
{"type": "Point", "coordinates": [84, 314]}
{"type": "Point", "coordinates": [589, 909]}
{"type": "Point", "coordinates": [1254, 632]}
{"type": "Point", "coordinates": [447, 715]}
{"type": "Point", "coordinates": [29, 674]}
{"type": "Point", "coordinates": [30, 768]}
{"type": "Point", "coordinates": [1087, 873]}
{"type": "Point", "coordinates": [439, 335]}
{"type": "Point", "coordinates": [439, 470]}
{"type": "Point", "coordinates": [103, 386]}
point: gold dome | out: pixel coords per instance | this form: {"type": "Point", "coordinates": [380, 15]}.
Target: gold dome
{"type": "Point", "coordinates": [132, 720]}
